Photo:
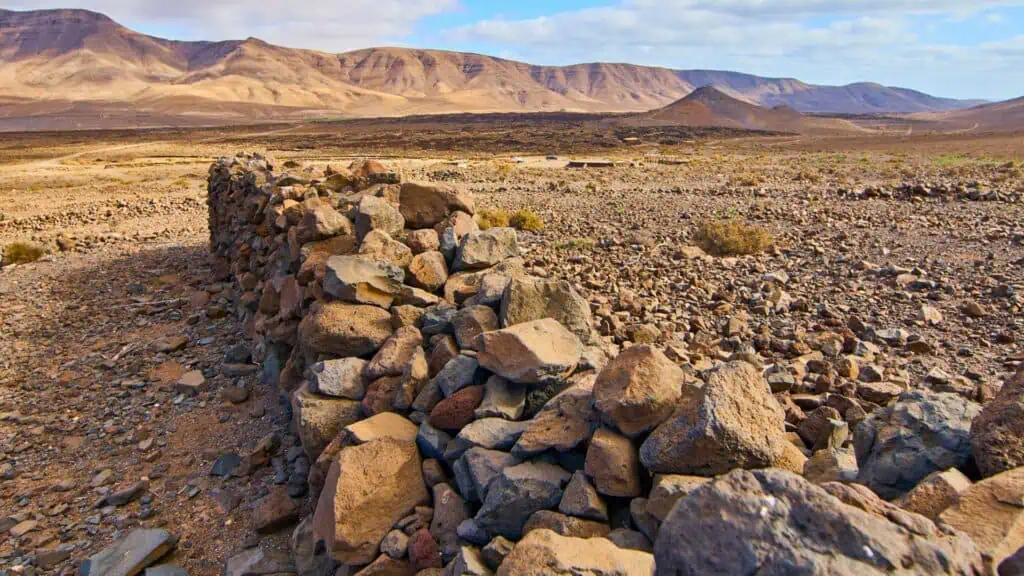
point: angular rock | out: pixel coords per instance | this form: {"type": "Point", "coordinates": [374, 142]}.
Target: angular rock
{"type": "Point", "coordinates": [997, 434]}
{"type": "Point", "coordinates": [322, 222]}
{"type": "Point", "coordinates": [381, 247]}
{"type": "Point", "coordinates": [495, 552]}
{"type": "Point", "coordinates": [565, 525]}
{"type": "Point", "coordinates": [774, 522]}
{"type": "Point", "coordinates": [581, 499]}
{"type": "Point", "coordinates": [423, 552]}
{"type": "Point", "coordinates": [428, 270]}
{"type": "Point", "coordinates": [938, 491]}
{"type": "Point", "coordinates": [669, 489]}
{"type": "Point", "coordinates": [638, 390]}
{"type": "Point", "coordinates": [130, 555]}
{"type": "Point", "coordinates": [536, 352]}
{"type": "Point", "coordinates": [483, 249]}
{"type": "Point", "coordinates": [490, 433]}
{"type": "Point", "coordinates": [377, 214]}
{"type": "Point", "coordinates": [923, 432]}
{"type": "Point", "coordinates": [732, 422]}
{"type": "Point", "coordinates": [831, 465]}
{"type": "Point", "coordinates": [318, 419]}
{"type": "Point", "coordinates": [613, 463]}
{"type": "Point", "coordinates": [256, 561]}
{"type": "Point", "coordinates": [566, 420]}
{"type": "Point", "coordinates": [526, 299]}
{"type": "Point", "coordinates": [275, 511]}
{"type": "Point", "coordinates": [423, 240]}
{"type": "Point", "coordinates": [469, 562]}
{"type": "Point", "coordinates": [424, 205]}
{"type": "Point", "coordinates": [991, 512]}
{"type": "Point", "coordinates": [517, 493]}
{"type": "Point", "coordinates": [502, 399]}
{"type": "Point", "coordinates": [361, 280]}
{"type": "Point", "coordinates": [477, 468]}
{"type": "Point", "coordinates": [457, 411]}
{"type": "Point", "coordinates": [341, 378]}
{"type": "Point", "coordinates": [394, 355]}
{"type": "Point", "coordinates": [369, 488]}
{"type": "Point", "coordinates": [450, 510]}
{"type": "Point", "coordinates": [471, 322]}
{"type": "Point", "coordinates": [383, 425]}
{"type": "Point", "coordinates": [543, 552]}
{"type": "Point", "coordinates": [460, 372]}
{"type": "Point", "coordinates": [342, 329]}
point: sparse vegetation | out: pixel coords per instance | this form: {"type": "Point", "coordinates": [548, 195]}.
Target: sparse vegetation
{"type": "Point", "coordinates": [576, 243]}
{"type": "Point", "coordinates": [488, 218]}
{"type": "Point", "coordinates": [732, 237]}
{"type": "Point", "coordinates": [23, 253]}
{"type": "Point", "coordinates": [526, 220]}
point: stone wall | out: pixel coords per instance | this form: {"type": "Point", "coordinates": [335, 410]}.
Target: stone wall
{"type": "Point", "coordinates": [458, 414]}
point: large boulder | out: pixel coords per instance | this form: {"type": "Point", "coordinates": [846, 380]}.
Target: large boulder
{"type": "Point", "coordinates": [517, 493]}
{"type": "Point", "coordinates": [732, 422]}
{"type": "Point", "coordinates": [997, 434]}
{"type": "Point", "coordinates": [377, 214]}
{"type": "Point", "coordinates": [543, 552]}
{"type": "Point", "coordinates": [774, 522]}
{"type": "Point", "coordinates": [527, 299]}
{"type": "Point", "coordinates": [991, 512]}
{"type": "Point", "coordinates": [923, 432]}
{"type": "Point", "coordinates": [638, 390]}
{"type": "Point", "coordinates": [343, 329]}
{"type": "Point", "coordinates": [536, 352]}
{"type": "Point", "coordinates": [424, 205]}
{"type": "Point", "coordinates": [363, 281]}
{"type": "Point", "coordinates": [483, 249]}
{"type": "Point", "coordinates": [369, 488]}
{"type": "Point", "coordinates": [318, 419]}
{"type": "Point", "coordinates": [938, 491]}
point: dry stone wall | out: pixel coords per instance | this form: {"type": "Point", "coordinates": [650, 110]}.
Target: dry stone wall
{"type": "Point", "coordinates": [459, 416]}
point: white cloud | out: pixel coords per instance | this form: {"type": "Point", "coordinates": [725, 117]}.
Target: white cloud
{"type": "Point", "coordinates": [334, 25]}
{"type": "Point", "coordinates": [823, 41]}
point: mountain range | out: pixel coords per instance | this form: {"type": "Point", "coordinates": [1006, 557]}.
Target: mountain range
{"type": "Point", "coordinates": [73, 68]}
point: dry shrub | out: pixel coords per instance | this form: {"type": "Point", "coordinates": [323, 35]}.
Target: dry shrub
{"type": "Point", "coordinates": [23, 253]}
{"type": "Point", "coordinates": [526, 220]}
{"type": "Point", "coordinates": [732, 237]}
{"type": "Point", "coordinates": [488, 218]}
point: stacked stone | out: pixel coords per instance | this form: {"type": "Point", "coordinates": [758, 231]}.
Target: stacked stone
{"type": "Point", "coordinates": [463, 417]}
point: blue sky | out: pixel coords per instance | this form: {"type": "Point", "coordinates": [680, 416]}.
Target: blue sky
{"type": "Point", "coordinates": [956, 48]}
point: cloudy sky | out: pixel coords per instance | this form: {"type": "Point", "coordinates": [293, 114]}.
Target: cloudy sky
{"type": "Point", "coordinates": [957, 48]}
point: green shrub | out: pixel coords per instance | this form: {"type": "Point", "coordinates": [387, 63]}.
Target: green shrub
{"type": "Point", "coordinates": [488, 218]}
{"type": "Point", "coordinates": [526, 220]}
{"type": "Point", "coordinates": [23, 253]}
{"type": "Point", "coordinates": [732, 237]}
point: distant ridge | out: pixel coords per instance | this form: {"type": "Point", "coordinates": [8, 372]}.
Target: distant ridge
{"type": "Point", "coordinates": [77, 59]}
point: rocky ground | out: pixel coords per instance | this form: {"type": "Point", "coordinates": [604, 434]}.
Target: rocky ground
{"type": "Point", "coordinates": [125, 398]}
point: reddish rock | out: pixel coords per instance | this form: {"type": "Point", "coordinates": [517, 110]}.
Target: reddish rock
{"type": "Point", "coordinates": [423, 552]}
{"type": "Point", "coordinates": [457, 411]}
{"type": "Point", "coordinates": [380, 395]}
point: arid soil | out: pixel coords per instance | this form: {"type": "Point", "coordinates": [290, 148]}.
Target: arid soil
{"type": "Point", "coordinates": [919, 241]}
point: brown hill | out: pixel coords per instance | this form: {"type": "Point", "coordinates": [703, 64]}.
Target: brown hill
{"type": "Point", "coordinates": [86, 61]}
{"type": "Point", "coordinates": [710, 106]}
{"type": "Point", "coordinates": [1006, 116]}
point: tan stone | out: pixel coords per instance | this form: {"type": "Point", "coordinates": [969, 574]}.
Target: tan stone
{"type": "Point", "coordinates": [378, 245]}
{"type": "Point", "coordinates": [991, 512]}
{"type": "Point", "coordinates": [428, 271]}
{"type": "Point", "coordinates": [938, 491]}
{"type": "Point", "coordinates": [369, 488]}
{"type": "Point", "coordinates": [613, 464]}
{"type": "Point", "coordinates": [318, 419]}
{"type": "Point", "coordinates": [424, 205]}
{"type": "Point", "coordinates": [343, 329]}
{"type": "Point", "coordinates": [531, 353]}
{"type": "Point", "coordinates": [638, 390]}
{"type": "Point", "coordinates": [543, 553]}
